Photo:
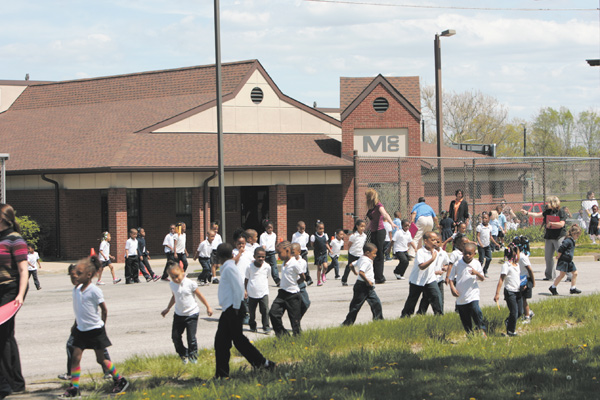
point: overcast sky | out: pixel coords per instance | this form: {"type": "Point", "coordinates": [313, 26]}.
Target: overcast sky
{"type": "Point", "coordinates": [526, 59]}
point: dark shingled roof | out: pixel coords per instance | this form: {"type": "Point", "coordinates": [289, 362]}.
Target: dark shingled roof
{"type": "Point", "coordinates": [98, 125]}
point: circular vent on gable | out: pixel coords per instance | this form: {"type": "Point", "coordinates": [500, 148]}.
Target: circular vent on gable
{"type": "Point", "coordinates": [256, 95]}
{"type": "Point", "coordinates": [380, 104]}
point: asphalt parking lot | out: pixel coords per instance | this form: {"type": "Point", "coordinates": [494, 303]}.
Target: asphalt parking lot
{"type": "Point", "coordinates": [136, 327]}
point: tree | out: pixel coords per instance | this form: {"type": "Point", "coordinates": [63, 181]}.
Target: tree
{"type": "Point", "coordinates": [588, 131]}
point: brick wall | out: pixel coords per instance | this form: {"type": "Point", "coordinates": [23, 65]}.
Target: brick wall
{"type": "Point", "coordinates": [278, 211]}
{"type": "Point", "coordinates": [117, 221]}
{"type": "Point", "coordinates": [322, 202]}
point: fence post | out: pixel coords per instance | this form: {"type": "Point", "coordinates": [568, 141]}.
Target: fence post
{"type": "Point", "coordinates": [532, 183]}
{"type": "Point", "coordinates": [473, 212]}
{"type": "Point", "coordinates": [544, 178]}
{"type": "Point", "coordinates": [399, 184]}
{"type": "Point", "coordinates": [356, 180]}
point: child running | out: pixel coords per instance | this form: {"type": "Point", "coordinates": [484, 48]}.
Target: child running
{"type": "Point", "coordinates": [302, 238]}
{"type": "Point", "coordinates": [90, 332]}
{"type": "Point", "coordinates": [186, 313]}
{"type": "Point", "coordinates": [484, 240]}
{"type": "Point", "coordinates": [364, 288]}
{"type": "Point", "coordinates": [356, 241]}
{"type": "Point", "coordinates": [302, 285]}
{"type": "Point", "coordinates": [527, 277]}
{"type": "Point", "coordinates": [203, 254]}
{"type": "Point", "coordinates": [465, 273]}
{"type": "Point", "coordinates": [400, 242]}
{"type": "Point", "coordinates": [268, 239]}
{"type": "Point", "coordinates": [565, 263]}
{"type": "Point", "coordinates": [257, 288]}
{"type": "Point", "coordinates": [106, 259]}
{"type": "Point", "coordinates": [33, 262]}
{"type": "Point", "coordinates": [336, 245]}
{"type": "Point", "coordinates": [510, 276]}
{"type": "Point", "coordinates": [321, 246]}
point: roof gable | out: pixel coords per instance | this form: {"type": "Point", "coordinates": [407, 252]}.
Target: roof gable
{"type": "Point", "coordinates": [350, 88]}
{"type": "Point", "coordinates": [381, 80]}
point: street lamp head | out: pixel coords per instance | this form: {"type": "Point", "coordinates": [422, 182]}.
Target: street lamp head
{"type": "Point", "coordinates": [448, 32]}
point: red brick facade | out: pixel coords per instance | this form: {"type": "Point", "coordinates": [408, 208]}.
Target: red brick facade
{"type": "Point", "coordinates": [278, 211]}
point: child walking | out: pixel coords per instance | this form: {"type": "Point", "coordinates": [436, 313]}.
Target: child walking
{"type": "Point", "coordinates": [565, 263]}
{"type": "Point", "coordinates": [257, 287]}
{"type": "Point", "coordinates": [268, 240]}
{"type": "Point", "coordinates": [180, 240]}
{"type": "Point", "coordinates": [527, 277]}
{"type": "Point", "coordinates": [356, 241]}
{"type": "Point", "coordinates": [336, 245]}
{"type": "Point", "coordinates": [510, 276]}
{"type": "Point", "coordinates": [321, 246]}
{"type": "Point", "coordinates": [186, 313]}
{"type": "Point", "coordinates": [132, 259]}
{"type": "Point", "coordinates": [484, 240]}
{"type": "Point", "coordinates": [106, 259]}
{"type": "Point", "coordinates": [231, 296]}
{"type": "Point", "coordinates": [593, 228]}
{"type": "Point", "coordinates": [145, 257]}
{"type": "Point", "coordinates": [90, 332]}
{"type": "Point", "coordinates": [302, 285]}
{"type": "Point", "coordinates": [203, 254]}
{"type": "Point", "coordinates": [302, 238]}
{"type": "Point", "coordinates": [33, 262]}
{"type": "Point", "coordinates": [214, 259]}
{"type": "Point", "coordinates": [463, 285]}
{"type": "Point", "coordinates": [364, 288]}
{"type": "Point", "coordinates": [401, 241]}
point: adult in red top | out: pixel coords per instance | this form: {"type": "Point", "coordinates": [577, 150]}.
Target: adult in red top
{"type": "Point", "coordinates": [376, 216]}
{"type": "Point", "coordinates": [459, 208]}
{"type": "Point", "coordinates": [13, 286]}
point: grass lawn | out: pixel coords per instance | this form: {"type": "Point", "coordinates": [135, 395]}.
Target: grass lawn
{"type": "Point", "coordinates": [557, 356]}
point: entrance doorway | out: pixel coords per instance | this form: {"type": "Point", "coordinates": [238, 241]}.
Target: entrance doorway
{"type": "Point", "coordinates": [255, 207]}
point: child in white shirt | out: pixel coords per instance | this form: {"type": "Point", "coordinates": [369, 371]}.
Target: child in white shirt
{"type": "Point", "coordinates": [132, 258]}
{"type": "Point", "coordinates": [257, 288]}
{"type": "Point", "coordinates": [441, 266]}
{"type": "Point", "coordinates": [465, 273]}
{"type": "Point", "coordinates": [400, 242]}
{"type": "Point", "coordinates": [302, 285]}
{"type": "Point", "coordinates": [186, 313]}
{"type": "Point", "coordinates": [356, 242]}
{"type": "Point", "coordinates": [510, 276]}
{"type": "Point", "coordinates": [180, 240]}
{"type": "Point", "coordinates": [302, 238]}
{"type": "Point", "coordinates": [33, 261]}
{"type": "Point", "coordinates": [268, 240]}
{"type": "Point", "coordinates": [484, 240]}
{"type": "Point", "coordinates": [214, 260]}
{"type": "Point", "coordinates": [203, 254]}
{"type": "Point", "coordinates": [364, 288]}
{"type": "Point", "coordinates": [336, 244]}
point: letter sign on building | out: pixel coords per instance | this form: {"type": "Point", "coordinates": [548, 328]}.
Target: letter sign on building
{"type": "Point", "coordinates": [381, 142]}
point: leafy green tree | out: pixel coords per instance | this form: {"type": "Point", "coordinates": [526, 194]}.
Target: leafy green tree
{"type": "Point", "coordinates": [30, 230]}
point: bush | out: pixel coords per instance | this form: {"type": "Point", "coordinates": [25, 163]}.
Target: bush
{"type": "Point", "coordinates": [534, 234]}
{"type": "Point", "coordinates": [30, 230]}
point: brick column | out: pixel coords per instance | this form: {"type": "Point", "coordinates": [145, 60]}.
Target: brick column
{"type": "Point", "coordinates": [117, 222]}
{"type": "Point", "coordinates": [278, 210]}
{"type": "Point", "coordinates": [198, 232]}
{"type": "Point", "coordinates": [347, 199]}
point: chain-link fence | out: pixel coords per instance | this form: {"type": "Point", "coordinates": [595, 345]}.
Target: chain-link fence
{"type": "Point", "coordinates": [487, 182]}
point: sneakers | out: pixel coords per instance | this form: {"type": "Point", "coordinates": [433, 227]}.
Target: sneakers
{"type": "Point", "coordinates": [309, 282]}
{"type": "Point", "coordinates": [115, 281]}
{"type": "Point", "coordinates": [165, 279]}
{"type": "Point", "coordinates": [267, 366]}
{"type": "Point", "coordinates": [65, 377]}
{"type": "Point", "coordinates": [553, 291]}
{"type": "Point", "coordinates": [574, 291]}
{"type": "Point", "coordinates": [319, 283]}
{"type": "Point", "coordinates": [155, 277]}
{"type": "Point", "coordinates": [338, 277]}
{"type": "Point", "coordinates": [184, 360]}
{"type": "Point", "coordinates": [215, 281]}
{"type": "Point", "coordinates": [100, 283]}
{"type": "Point", "coordinates": [148, 279]}
{"type": "Point", "coordinates": [531, 313]}
{"type": "Point", "coordinates": [120, 386]}
{"type": "Point", "coordinates": [509, 333]}
{"type": "Point", "coordinates": [71, 393]}
{"type": "Point", "coordinates": [399, 277]}
{"type": "Point", "coordinates": [107, 376]}
{"type": "Point", "coordinates": [344, 283]}
{"type": "Point", "coordinates": [323, 278]}
{"type": "Point", "coordinates": [267, 329]}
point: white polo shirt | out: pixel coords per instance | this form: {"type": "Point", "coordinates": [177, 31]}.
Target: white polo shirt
{"type": "Point", "coordinates": [104, 249]}
{"type": "Point", "coordinates": [85, 306]}
{"type": "Point", "coordinates": [365, 264]}
{"type": "Point", "coordinates": [131, 247]}
{"type": "Point", "coordinates": [336, 246]}
{"type": "Point", "coordinates": [204, 249]}
{"type": "Point", "coordinates": [180, 245]}
{"type": "Point", "coordinates": [169, 241]}
{"type": "Point", "coordinates": [422, 277]}
{"type": "Point", "coordinates": [185, 302]}
{"type": "Point", "coordinates": [268, 241]}
{"type": "Point", "coordinates": [466, 283]}
{"type": "Point", "coordinates": [401, 240]}
{"type": "Point", "coordinates": [357, 242]}
{"type": "Point", "coordinates": [301, 239]}
{"type": "Point", "coordinates": [289, 276]}
{"type": "Point", "coordinates": [258, 280]}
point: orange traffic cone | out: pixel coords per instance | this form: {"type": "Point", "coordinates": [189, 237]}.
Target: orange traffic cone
{"type": "Point", "coordinates": [92, 252]}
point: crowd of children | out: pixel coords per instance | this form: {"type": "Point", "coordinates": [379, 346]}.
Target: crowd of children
{"type": "Point", "coordinates": [244, 283]}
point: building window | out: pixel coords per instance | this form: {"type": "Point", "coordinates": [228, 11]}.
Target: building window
{"type": "Point", "coordinates": [477, 194]}
{"type": "Point", "coordinates": [133, 208]}
{"type": "Point", "coordinates": [295, 201]}
{"type": "Point", "coordinates": [256, 95]}
{"type": "Point", "coordinates": [183, 206]}
{"type": "Point", "coordinates": [381, 104]}
{"type": "Point", "coordinates": [497, 189]}
{"type": "Point", "coordinates": [231, 203]}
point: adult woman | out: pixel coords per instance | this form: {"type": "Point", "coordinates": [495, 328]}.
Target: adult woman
{"type": "Point", "coordinates": [459, 208]}
{"type": "Point", "coordinates": [554, 222]}
{"type": "Point", "coordinates": [377, 215]}
{"type": "Point", "coordinates": [13, 286]}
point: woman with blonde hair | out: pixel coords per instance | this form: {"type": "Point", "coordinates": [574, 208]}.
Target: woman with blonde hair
{"type": "Point", "coordinates": [376, 216]}
{"type": "Point", "coordinates": [554, 223]}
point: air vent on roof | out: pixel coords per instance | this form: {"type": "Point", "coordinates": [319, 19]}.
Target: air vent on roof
{"type": "Point", "coordinates": [380, 104]}
{"type": "Point", "coordinates": [256, 95]}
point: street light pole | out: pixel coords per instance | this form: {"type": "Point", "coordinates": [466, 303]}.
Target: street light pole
{"type": "Point", "coordinates": [219, 120]}
{"type": "Point", "coordinates": [438, 112]}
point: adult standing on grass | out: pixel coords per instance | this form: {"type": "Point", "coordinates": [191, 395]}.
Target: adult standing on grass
{"type": "Point", "coordinates": [554, 223]}
{"type": "Point", "coordinates": [13, 286]}
{"type": "Point", "coordinates": [377, 215]}
{"type": "Point", "coordinates": [459, 208]}
{"type": "Point", "coordinates": [231, 298]}
{"type": "Point", "coordinates": [424, 217]}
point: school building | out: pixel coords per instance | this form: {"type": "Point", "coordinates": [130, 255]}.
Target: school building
{"type": "Point", "coordinates": [112, 153]}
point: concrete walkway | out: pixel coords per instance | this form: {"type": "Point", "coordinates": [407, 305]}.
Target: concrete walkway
{"type": "Point", "coordinates": [135, 325]}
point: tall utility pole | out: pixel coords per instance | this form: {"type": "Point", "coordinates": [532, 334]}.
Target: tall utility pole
{"type": "Point", "coordinates": [438, 112]}
{"type": "Point", "coordinates": [220, 120]}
